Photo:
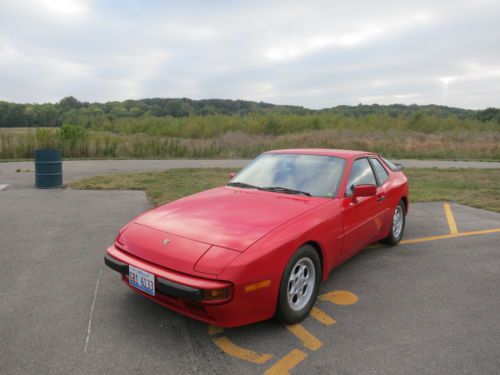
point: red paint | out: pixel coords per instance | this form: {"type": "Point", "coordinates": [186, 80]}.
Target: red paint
{"type": "Point", "coordinates": [228, 217]}
{"type": "Point", "coordinates": [235, 237]}
{"type": "Point", "coordinates": [363, 191]}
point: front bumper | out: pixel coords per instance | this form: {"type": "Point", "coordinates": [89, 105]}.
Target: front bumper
{"type": "Point", "coordinates": [183, 293]}
{"type": "Point", "coordinates": [164, 286]}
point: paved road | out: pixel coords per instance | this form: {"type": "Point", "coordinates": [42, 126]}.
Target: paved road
{"type": "Point", "coordinates": [429, 307]}
{"type": "Point", "coordinates": [87, 168]}
{"type": "Point", "coordinates": [76, 169]}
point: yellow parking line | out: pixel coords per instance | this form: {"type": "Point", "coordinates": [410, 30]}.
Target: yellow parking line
{"type": "Point", "coordinates": [227, 346]}
{"type": "Point", "coordinates": [444, 236]}
{"type": "Point", "coordinates": [340, 297]}
{"type": "Point", "coordinates": [288, 362]}
{"type": "Point", "coordinates": [439, 237]}
{"type": "Point", "coordinates": [426, 239]}
{"type": "Point", "coordinates": [478, 232]}
{"type": "Point", "coordinates": [308, 339]}
{"type": "Point", "coordinates": [451, 220]}
{"type": "Point", "coordinates": [322, 317]}
{"type": "Point", "coordinates": [214, 330]}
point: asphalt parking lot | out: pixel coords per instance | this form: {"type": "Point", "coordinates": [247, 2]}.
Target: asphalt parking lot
{"type": "Point", "coordinates": [429, 305]}
{"type": "Point", "coordinates": [20, 175]}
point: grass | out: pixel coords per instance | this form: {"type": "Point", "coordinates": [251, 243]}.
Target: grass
{"type": "Point", "coordinates": [473, 187]}
{"type": "Point", "coordinates": [160, 187]}
{"type": "Point", "coordinates": [394, 139]}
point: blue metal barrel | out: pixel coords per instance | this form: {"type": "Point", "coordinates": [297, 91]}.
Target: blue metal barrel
{"type": "Point", "coordinates": [48, 168]}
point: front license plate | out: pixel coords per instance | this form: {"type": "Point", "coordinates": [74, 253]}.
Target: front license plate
{"type": "Point", "coordinates": [141, 279]}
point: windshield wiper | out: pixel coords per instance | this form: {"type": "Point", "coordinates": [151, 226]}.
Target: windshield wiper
{"type": "Point", "coordinates": [242, 185]}
{"type": "Point", "coordinates": [280, 189]}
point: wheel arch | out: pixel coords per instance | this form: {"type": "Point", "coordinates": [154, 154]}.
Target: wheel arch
{"type": "Point", "coordinates": [319, 250]}
{"type": "Point", "coordinates": [405, 202]}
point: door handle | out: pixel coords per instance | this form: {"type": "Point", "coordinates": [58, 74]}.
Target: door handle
{"type": "Point", "coordinates": [381, 198]}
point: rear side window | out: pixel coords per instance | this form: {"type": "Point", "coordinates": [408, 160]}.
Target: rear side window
{"type": "Point", "coordinates": [361, 174]}
{"type": "Point", "coordinates": [382, 174]}
{"type": "Point", "coordinates": [391, 165]}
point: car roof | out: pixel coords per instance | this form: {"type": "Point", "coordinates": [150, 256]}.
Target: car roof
{"type": "Point", "coordinates": [345, 154]}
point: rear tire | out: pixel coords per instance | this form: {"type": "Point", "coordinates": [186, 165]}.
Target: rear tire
{"type": "Point", "coordinates": [397, 225]}
{"type": "Point", "coordinates": [299, 285]}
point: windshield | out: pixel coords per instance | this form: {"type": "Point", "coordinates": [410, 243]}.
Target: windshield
{"type": "Point", "coordinates": [314, 175]}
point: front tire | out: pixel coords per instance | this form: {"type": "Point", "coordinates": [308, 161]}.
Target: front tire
{"type": "Point", "coordinates": [299, 285]}
{"type": "Point", "coordinates": [397, 226]}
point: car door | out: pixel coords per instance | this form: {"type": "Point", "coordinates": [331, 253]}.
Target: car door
{"type": "Point", "coordinates": [362, 219]}
{"type": "Point", "coordinates": [384, 220]}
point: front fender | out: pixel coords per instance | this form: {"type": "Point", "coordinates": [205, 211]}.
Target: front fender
{"type": "Point", "coordinates": [267, 258]}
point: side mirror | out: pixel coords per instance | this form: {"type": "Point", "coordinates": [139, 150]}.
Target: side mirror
{"type": "Point", "coordinates": [363, 191]}
{"type": "Point", "coordinates": [231, 175]}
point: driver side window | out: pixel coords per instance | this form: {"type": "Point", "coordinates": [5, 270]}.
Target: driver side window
{"type": "Point", "coordinates": [361, 174]}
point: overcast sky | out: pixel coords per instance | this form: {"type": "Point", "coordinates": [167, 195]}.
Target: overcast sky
{"type": "Point", "coordinates": [310, 53]}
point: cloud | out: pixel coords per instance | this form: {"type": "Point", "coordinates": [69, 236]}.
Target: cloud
{"type": "Point", "coordinates": [66, 8]}
{"type": "Point", "coordinates": [320, 42]}
{"type": "Point", "coordinates": [316, 54]}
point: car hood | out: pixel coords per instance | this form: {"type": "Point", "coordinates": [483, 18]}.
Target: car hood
{"type": "Point", "coordinates": [228, 217]}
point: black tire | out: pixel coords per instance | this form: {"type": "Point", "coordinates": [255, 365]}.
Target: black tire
{"type": "Point", "coordinates": [304, 257]}
{"type": "Point", "coordinates": [393, 238]}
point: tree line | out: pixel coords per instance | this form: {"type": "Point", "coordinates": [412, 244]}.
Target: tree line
{"type": "Point", "coordinates": [70, 110]}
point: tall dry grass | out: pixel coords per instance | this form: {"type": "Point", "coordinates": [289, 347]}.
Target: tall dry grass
{"type": "Point", "coordinates": [447, 144]}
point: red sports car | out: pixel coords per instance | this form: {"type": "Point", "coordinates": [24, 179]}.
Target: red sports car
{"type": "Point", "coordinates": [259, 246]}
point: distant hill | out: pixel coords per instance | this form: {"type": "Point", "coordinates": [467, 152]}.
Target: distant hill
{"type": "Point", "coordinates": [69, 109]}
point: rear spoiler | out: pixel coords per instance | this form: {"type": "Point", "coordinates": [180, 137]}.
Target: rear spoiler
{"type": "Point", "coordinates": [399, 166]}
